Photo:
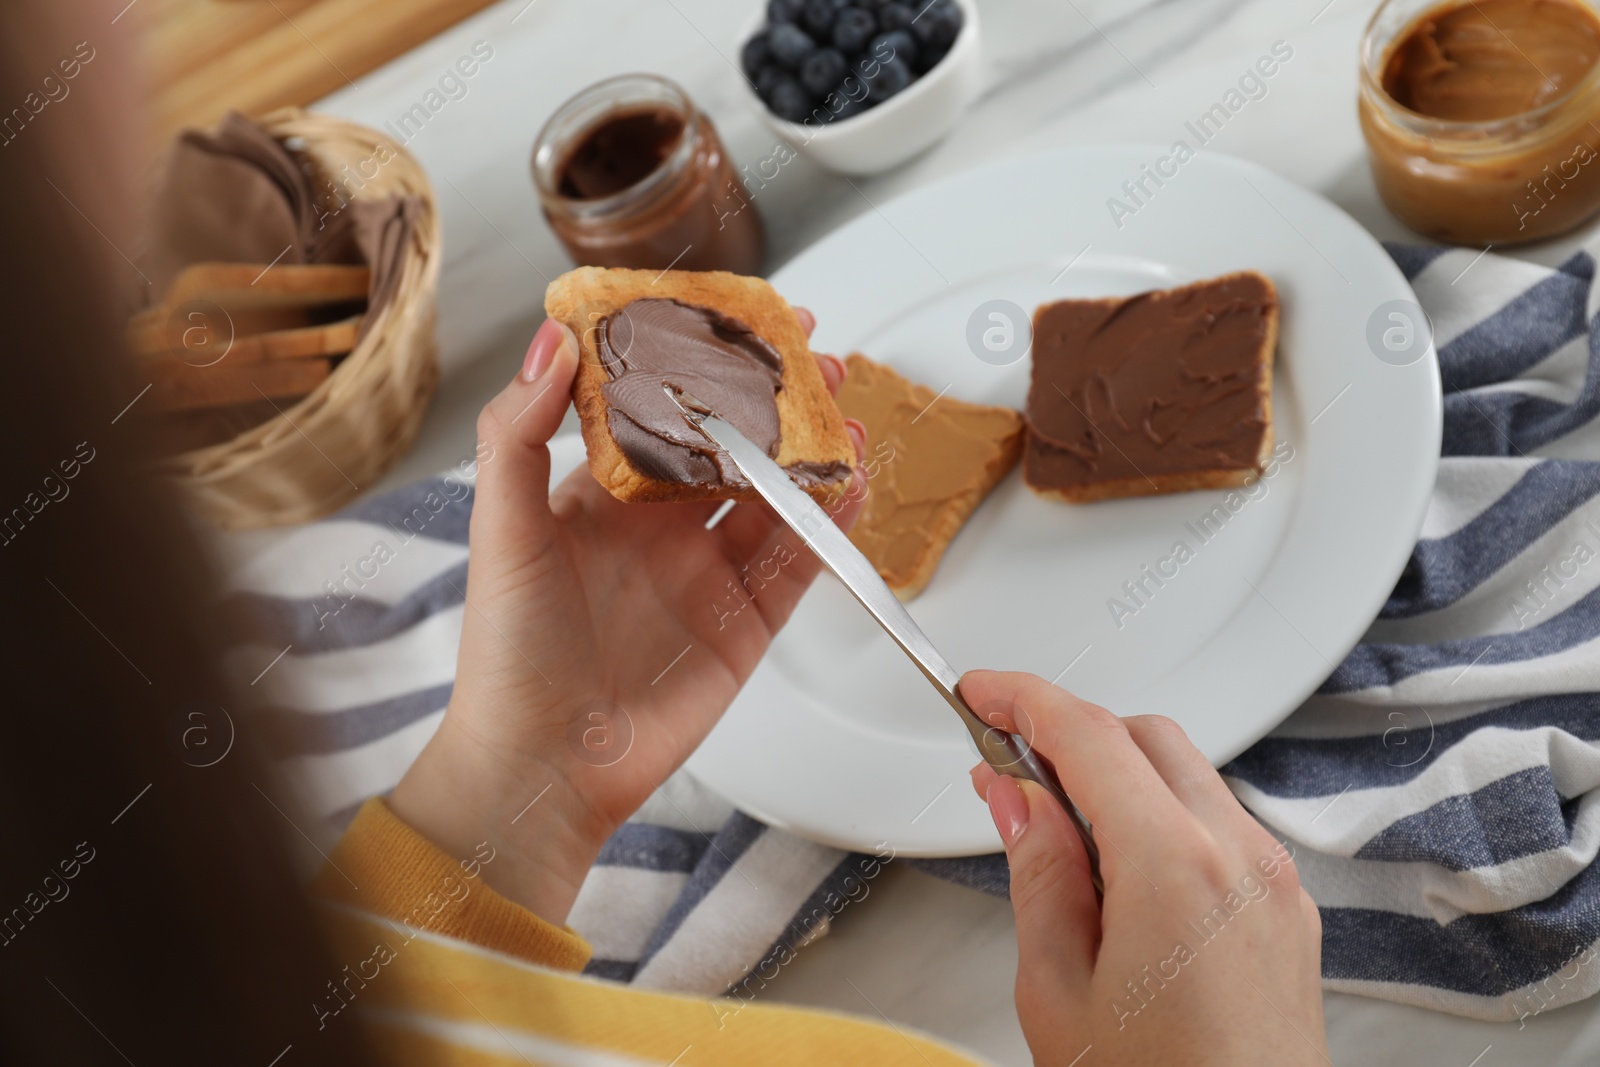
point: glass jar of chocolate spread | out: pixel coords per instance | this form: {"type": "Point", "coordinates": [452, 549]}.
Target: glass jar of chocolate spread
{"type": "Point", "coordinates": [631, 174]}
{"type": "Point", "coordinates": [1482, 117]}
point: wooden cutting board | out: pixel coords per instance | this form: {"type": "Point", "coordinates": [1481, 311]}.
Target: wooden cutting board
{"type": "Point", "coordinates": [207, 56]}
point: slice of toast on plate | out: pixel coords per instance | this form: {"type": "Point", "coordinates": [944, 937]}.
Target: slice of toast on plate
{"type": "Point", "coordinates": [930, 461]}
{"type": "Point", "coordinates": [1161, 392]}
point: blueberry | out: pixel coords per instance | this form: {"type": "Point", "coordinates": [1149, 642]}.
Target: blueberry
{"type": "Point", "coordinates": [939, 34]}
{"type": "Point", "coordinates": [938, 26]}
{"type": "Point", "coordinates": [789, 44]}
{"type": "Point", "coordinates": [897, 44]}
{"type": "Point", "coordinates": [767, 79]}
{"type": "Point", "coordinates": [754, 55]}
{"type": "Point", "coordinates": [847, 103]}
{"type": "Point", "coordinates": [817, 18]}
{"type": "Point", "coordinates": [821, 71]}
{"type": "Point", "coordinates": [784, 11]}
{"type": "Point", "coordinates": [789, 101]}
{"type": "Point", "coordinates": [895, 16]}
{"type": "Point", "coordinates": [853, 30]}
{"type": "Point", "coordinates": [928, 57]}
{"type": "Point", "coordinates": [892, 77]}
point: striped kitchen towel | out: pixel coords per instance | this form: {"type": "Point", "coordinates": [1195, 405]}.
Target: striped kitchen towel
{"type": "Point", "coordinates": [1442, 788]}
{"type": "Point", "coordinates": [1441, 791]}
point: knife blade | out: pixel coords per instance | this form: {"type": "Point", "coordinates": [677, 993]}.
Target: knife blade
{"type": "Point", "coordinates": [1006, 752]}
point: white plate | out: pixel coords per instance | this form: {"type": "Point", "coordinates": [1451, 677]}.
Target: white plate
{"type": "Point", "coordinates": [839, 739]}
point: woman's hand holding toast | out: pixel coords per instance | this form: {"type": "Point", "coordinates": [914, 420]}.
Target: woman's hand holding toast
{"type": "Point", "coordinates": [600, 643]}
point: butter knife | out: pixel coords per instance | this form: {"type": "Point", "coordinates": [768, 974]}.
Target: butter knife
{"type": "Point", "coordinates": [1007, 753]}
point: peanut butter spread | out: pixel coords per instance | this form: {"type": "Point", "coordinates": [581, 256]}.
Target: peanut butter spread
{"type": "Point", "coordinates": [930, 461]}
{"type": "Point", "coordinates": [1482, 118]}
{"type": "Point", "coordinates": [1492, 59]}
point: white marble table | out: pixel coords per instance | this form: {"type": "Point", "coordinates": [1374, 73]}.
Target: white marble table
{"type": "Point", "coordinates": [1056, 73]}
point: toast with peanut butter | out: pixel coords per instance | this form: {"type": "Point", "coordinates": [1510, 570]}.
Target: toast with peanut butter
{"type": "Point", "coordinates": [730, 341]}
{"type": "Point", "coordinates": [930, 461]}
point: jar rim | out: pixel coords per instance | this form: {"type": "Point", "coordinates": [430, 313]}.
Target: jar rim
{"type": "Point", "coordinates": [583, 111]}
{"type": "Point", "coordinates": [1375, 52]}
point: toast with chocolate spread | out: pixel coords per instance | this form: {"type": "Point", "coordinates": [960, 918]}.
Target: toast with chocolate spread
{"type": "Point", "coordinates": [1162, 392]}
{"type": "Point", "coordinates": [729, 340]}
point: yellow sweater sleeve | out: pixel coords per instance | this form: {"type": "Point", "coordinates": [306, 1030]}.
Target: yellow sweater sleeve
{"type": "Point", "coordinates": [384, 867]}
{"type": "Point", "coordinates": [443, 972]}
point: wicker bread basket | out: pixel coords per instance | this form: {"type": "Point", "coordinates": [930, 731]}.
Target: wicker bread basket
{"type": "Point", "coordinates": [325, 448]}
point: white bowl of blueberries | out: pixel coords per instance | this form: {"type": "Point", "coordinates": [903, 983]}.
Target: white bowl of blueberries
{"type": "Point", "coordinates": [860, 86]}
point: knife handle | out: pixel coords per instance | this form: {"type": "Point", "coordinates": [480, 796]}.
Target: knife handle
{"type": "Point", "coordinates": [1009, 754]}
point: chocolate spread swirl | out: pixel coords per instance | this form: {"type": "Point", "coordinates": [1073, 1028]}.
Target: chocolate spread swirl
{"type": "Point", "coordinates": [720, 361]}
{"type": "Point", "coordinates": [1159, 383]}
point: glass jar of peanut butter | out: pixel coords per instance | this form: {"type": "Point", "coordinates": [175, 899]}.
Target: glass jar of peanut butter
{"type": "Point", "coordinates": [1482, 117]}
{"type": "Point", "coordinates": [631, 174]}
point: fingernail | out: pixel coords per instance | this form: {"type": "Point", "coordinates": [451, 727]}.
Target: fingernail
{"type": "Point", "coordinates": [855, 491]}
{"type": "Point", "coordinates": [542, 350]}
{"type": "Point", "coordinates": [858, 435]}
{"type": "Point", "coordinates": [1009, 808]}
{"type": "Point", "coordinates": [839, 365]}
